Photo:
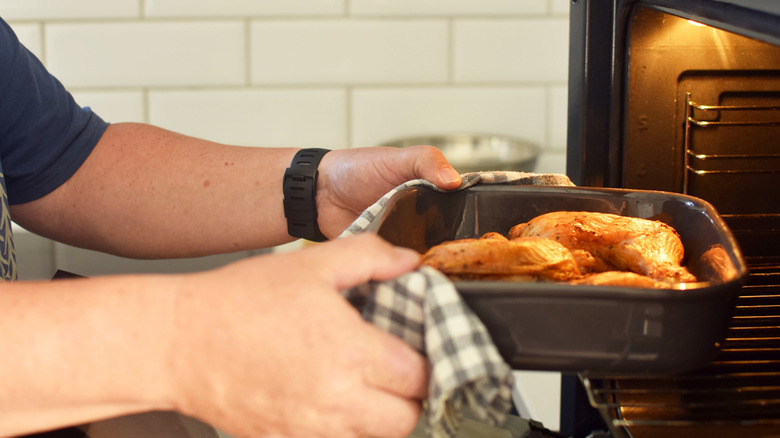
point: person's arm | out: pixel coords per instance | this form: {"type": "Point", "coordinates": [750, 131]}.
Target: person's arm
{"type": "Point", "coordinates": [262, 347]}
{"type": "Point", "coordinates": [150, 193]}
{"type": "Point", "coordinates": [79, 350]}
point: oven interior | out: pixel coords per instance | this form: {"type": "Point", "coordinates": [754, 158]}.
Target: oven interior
{"type": "Point", "coordinates": [691, 108]}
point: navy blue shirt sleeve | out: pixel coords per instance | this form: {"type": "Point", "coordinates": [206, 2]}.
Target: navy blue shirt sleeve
{"type": "Point", "coordinates": [45, 135]}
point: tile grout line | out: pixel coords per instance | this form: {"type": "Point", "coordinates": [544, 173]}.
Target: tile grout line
{"type": "Point", "coordinates": [248, 52]}
{"type": "Point", "coordinates": [44, 51]}
{"type": "Point", "coordinates": [547, 117]}
{"type": "Point", "coordinates": [332, 17]}
{"type": "Point", "coordinates": [325, 85]}
{"type": "Point", "coordinates": [450, 51]}
{"type": "Point", "coordinates": [145, 104]}
{"type": "Point", "coordinates": [349, 90]}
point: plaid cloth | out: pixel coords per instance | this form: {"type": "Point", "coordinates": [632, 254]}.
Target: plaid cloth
{"type": "Point", "coordinates": [424, 309]}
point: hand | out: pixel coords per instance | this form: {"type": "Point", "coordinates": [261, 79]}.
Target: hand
{"type": "Point", "coordinates": [268, 347]}
{"type": "Point", "coordinates": [352, 179]}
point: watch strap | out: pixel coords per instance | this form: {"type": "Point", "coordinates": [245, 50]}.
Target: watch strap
{"type": "Point", "coordinates": [300, 194]}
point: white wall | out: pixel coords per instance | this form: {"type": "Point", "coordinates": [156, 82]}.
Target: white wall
{"type": "Point", "coordinates": [305, 73]}
{"type": "Point", "coordinates": [309, 73]}
{"type": "Point", "coordinates": [332, 73]}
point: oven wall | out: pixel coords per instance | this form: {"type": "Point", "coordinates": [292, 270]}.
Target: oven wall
{"type": "Point", "coordinates": [627, 128]}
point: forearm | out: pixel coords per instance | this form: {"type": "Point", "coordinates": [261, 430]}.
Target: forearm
{"type": "Point", "coordinates": [239, 347]}
{"type": "Point", "coordinates": [80, 350]}
{"type": "Point", "coordinates": [150, 193]}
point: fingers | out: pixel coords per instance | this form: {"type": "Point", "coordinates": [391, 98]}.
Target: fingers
{"type": "Point", "coordinates": [395, 367]}
{"type": "Point", "coordinates": [430, 164]}
{"type": "Point", "coordinates": [397, 377]}
{"type": "Point", "coordinates": [352, 261]}
{"type": "Point", "coordinates": [385, 415]}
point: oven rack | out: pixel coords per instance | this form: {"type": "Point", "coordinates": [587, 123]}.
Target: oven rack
{"type": "Point", "coordinates": [705, 123]}
{"type": "Point", "coordinates": [719, 161]}
{"type": "Point", "coordinates": [739, 387]}
{"type": "Point", "coordinates": [691, 122]}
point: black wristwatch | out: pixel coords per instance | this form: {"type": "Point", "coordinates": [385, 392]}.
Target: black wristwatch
{"type": "Point", "coordinates": [300, 193]}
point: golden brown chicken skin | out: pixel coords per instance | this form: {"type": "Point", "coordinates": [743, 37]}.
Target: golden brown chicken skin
{"type": "Point", "coordinates": [495, 257]}
{"type": "Point", "coordinates": [622, 243]}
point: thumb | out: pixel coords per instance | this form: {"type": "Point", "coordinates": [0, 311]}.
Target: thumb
{"type": "Point", "coordinates": [355, 260]}
{"type": "Point", "coordinates": [430, 164]}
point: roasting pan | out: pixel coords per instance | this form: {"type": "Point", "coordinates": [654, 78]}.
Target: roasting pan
{"type": "Point", "coordinates": [591, 330]}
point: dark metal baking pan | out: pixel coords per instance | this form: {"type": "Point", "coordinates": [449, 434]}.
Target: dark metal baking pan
{"type": "Point", "coordinates": [586, 329]}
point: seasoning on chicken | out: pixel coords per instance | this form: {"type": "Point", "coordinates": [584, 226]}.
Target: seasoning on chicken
{"type": "Point", "coordinates": [623, 243]}
{"type": "Point", "coordinates": [495, 257]}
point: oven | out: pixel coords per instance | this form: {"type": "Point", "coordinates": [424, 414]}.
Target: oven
{"type": "Point", "coordinates": [684, 96]}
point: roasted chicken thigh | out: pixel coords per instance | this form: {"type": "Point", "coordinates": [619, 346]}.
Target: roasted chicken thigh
{"type": "Point", "coordinates": [493, 256]}
{"type": "Point", "coordinates": [622, 243]}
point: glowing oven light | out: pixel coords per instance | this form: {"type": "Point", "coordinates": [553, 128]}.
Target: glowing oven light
{"type": "Point", "coordinates": [695, 23]}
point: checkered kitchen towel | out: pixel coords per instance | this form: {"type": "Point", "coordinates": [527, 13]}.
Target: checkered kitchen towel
{"type": "Point", "coordinates": [424, 309]}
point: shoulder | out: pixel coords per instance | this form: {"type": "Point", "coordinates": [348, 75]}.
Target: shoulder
{"type": "Point", "coordinates": [13, 57]}
{"type": "Point", "coordinates": [9, 43]}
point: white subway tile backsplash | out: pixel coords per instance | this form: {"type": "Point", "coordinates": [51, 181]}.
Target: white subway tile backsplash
{"type": "Point", "coordinates": [155, 53]}
{"type": "Point", "coordinates": [91, 263]}
{"type": "Point", "coordinates": [30, 36]}
{"type": "Point", "coordinates": [255, 117]}
{"type": "Point", "coordinates": [58, 9]}
{"type": "Point", "coordinates": [551, 162]}
{"type": "Point", "coordinates": [382, 114]}
{"type": "Point", "coordinates": [114, 106]}
{"type": "Point", "coordinates": [447, 7]}
{"type": "Point", "coordinates": [243, 8]}
{"type": "Point", "coordinates": [348, 51]}
{"type": "Point", "coordinates": [560, 7]}
{"type": "Point", "coordinates": [511, 50]}
{"type": "Point", "coordinates": [34, 255]}
{"type": "Point", "coordinates": [537, 395]}
{"type": "Point", "coordinates": [327, 73]}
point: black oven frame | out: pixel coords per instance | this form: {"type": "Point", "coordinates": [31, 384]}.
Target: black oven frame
{"type": "Point", "coordinates": [598, 58]}
{"type": "Point", "coordinates": [597, 66]}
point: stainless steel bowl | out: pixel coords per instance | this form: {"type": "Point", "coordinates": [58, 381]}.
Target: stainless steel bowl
{"type": "Point", "coordinates": [479, 152]}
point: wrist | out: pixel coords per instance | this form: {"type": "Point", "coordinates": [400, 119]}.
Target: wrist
{"type": "Point", "coordinates": [300, 194]}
